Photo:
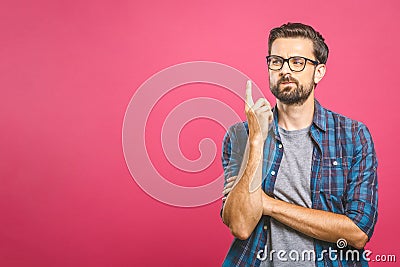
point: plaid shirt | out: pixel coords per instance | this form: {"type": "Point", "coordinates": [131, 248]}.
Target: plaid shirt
{"type": "Point", "coordinates": [343, 180]}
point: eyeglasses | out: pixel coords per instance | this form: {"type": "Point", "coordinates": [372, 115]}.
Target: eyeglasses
{"type": "Point", "coordinates": [295, 63]}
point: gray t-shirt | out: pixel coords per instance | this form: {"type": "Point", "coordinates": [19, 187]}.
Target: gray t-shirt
{"type": "Point", "coordinates": [292, 185]}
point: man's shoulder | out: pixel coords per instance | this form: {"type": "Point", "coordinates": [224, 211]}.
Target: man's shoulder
{"type": "Point", "coordinates": [337, 121]}
{"type": "Point", "coordinates": [344, 136]}
{"type": "Point", "coordinates": [239, 128]}
{"type": "Point", "coordinates": [351, 133]}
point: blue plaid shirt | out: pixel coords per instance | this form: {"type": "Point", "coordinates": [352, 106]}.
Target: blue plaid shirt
{"type": "Point", "coordinates": [343, 180]}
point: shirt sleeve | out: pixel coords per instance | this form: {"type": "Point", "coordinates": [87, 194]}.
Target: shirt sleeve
{"type": "Point", "coordinates": [233, 147]}
{"type": "Point", "coordinates": [362, 192]}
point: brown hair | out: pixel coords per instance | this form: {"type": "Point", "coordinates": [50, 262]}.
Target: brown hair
{"type": "Point", "coordinates": [299, 30]}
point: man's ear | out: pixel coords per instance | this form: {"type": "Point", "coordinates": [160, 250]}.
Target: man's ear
{"type": "Point", "coordinates": [319, 73]}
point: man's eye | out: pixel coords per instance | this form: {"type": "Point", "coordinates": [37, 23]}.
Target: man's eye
{"type": "Point", "coordinates": [276, 61]}
{"type": "Point", "coordinates": [298, 62]}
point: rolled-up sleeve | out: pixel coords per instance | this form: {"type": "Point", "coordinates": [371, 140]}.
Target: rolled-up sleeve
{"type": "Point", "coordinates": [233, 147]}
{"type": "Point", "coordinates": [362, 183]}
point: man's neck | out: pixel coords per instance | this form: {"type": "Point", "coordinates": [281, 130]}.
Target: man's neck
{"type": "Point", "coordinates": [296, 117]}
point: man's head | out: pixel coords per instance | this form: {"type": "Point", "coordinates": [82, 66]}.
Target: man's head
{"type": "Point", "coordinates": [297, 57]}
{"type": "Point", "coordinates": [299, 30]}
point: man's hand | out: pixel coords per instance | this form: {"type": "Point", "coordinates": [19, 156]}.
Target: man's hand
{"type": "Point", "coordinates": [258, 114]}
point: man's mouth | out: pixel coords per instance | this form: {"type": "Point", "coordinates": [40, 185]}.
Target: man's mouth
{"type": "Point", "coordinates": [287, 83]}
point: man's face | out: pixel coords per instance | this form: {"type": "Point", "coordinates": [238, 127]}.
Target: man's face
{"type": "Point", "coordinates": [289, 87]}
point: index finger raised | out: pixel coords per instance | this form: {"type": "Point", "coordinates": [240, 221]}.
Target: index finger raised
{"type": "Point", "coordinates": [249, 96]}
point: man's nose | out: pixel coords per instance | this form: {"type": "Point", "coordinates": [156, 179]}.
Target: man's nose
{"type": "Point", "coordinates": [285, 69]}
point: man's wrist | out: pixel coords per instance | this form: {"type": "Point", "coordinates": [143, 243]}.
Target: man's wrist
{"type": "Point", "coordinates": [269, 205]}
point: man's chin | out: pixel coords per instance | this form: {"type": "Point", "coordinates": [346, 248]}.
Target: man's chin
{"type": "Point", "coordinates": [291, 100]}
{"type": "Point", "coordinates": [288, 97]}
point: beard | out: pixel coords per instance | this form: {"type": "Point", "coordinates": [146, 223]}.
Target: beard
{"type": "Point", "coordinates": [292, 96]}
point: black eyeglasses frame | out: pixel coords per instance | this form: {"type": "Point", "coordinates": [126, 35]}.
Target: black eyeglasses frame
{"type": "Point", "coordinates": [314, 62]}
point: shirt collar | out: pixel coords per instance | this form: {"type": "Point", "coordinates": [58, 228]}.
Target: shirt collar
{"type": "Point", "coordinates": [319, 118]}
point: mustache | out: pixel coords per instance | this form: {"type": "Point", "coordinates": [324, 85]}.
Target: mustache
{"type": "Point", "coordinates": [286, 79]}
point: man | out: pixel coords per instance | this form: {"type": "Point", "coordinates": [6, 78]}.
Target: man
{"type": "Point", "coordinates": [301, 180]}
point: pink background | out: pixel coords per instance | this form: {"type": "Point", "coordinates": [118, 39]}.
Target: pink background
{"type": "Point", "coordinates": [68, 70]}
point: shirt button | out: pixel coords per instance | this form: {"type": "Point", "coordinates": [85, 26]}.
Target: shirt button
{"type": "Point", "coordinates": [265, 227]}
{"type": "Point", "coordinates": [273, 173]}
{"type": "Point", "coordinates": [280, 145]}
{"type": "Point", "coordinates": [334, 163]}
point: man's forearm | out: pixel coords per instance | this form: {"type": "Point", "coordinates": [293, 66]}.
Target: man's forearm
{"type": "Point", "coordinates": [323, 225]}
{"type": "Point", "coordinates": [243, 206]}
